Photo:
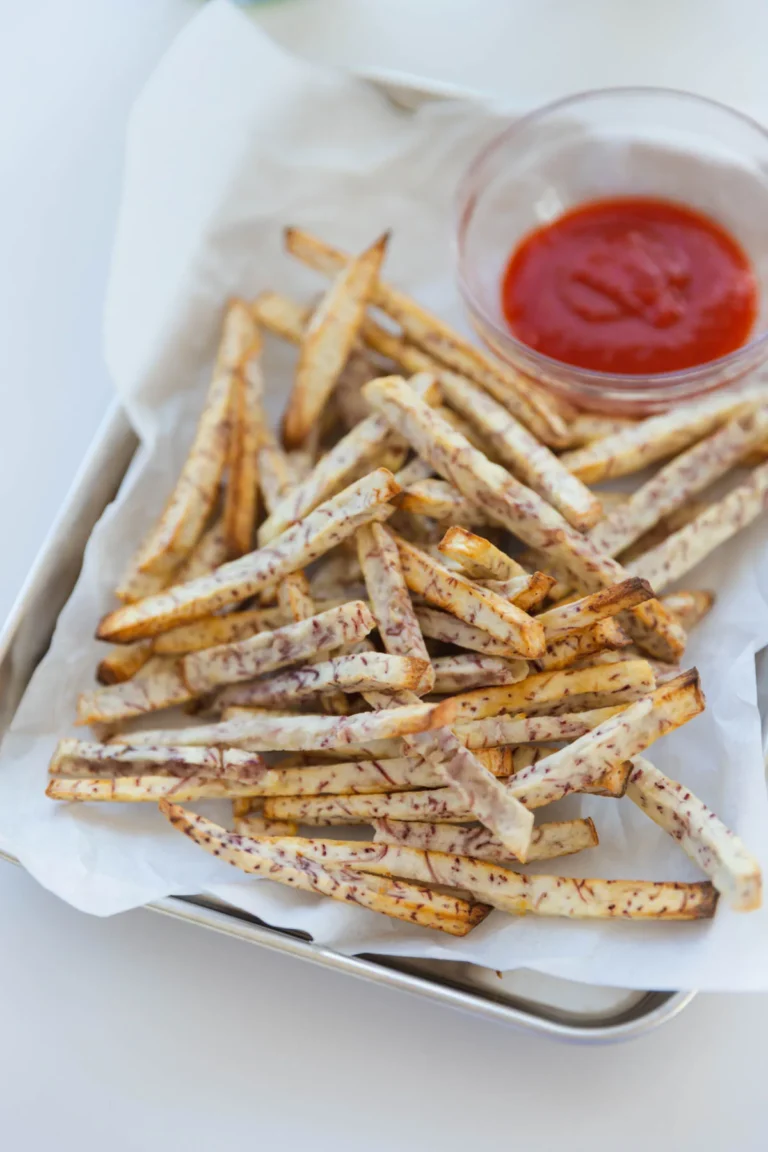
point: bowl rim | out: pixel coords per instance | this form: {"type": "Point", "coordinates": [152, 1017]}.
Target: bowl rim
{"type": "Point", "coordinates": [588, 377]}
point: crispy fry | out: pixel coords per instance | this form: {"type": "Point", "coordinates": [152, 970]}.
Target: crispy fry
{"type": "Point", "coordinates": [77, 758]}
{"type": "Point", "coordinates": [440, 626]}
{"type": "Point", "coordinates": [160, 685]}
{"type": "Point", "coordinates": [266, 651]}
{"type": "Point", "coordinates": [328, 340]}
{"type": "Point", "coordinates": [461, 673]}
{"type": "Point", "coordinates": [422, 328]}
{"type": "Point", "coordinates": [191, 502]}
{"type": "Point", "coordinates": [147, 789]}
{"type": "Point", "coordinates": [123, 662]}
{"type": "Point", "coordinates": [488, 800]}
{"type": "Point", "coordinates": [689, 607]}
{"type": "Point", "coordinates": [548, 841]}
{"type": "Point", "coordinates": [702, 836]}
{"type": "Point", "coordinates": [327, 526]}
{"type": "Point", "coordinates": [469, 602]}
{"type": "Point", "coordinates": [615, 683]}
{"type": "Point", "coordinates": [395, 618]}
{"type": "Point", "coordinates": [364, 672]}
{"type": "Point", "coordinates": [216, 630]}
{"type": "Point", "coordinates": [498, 731]}
{"type": "Point", "coordinates": [241, 495]}
{"type": "Point", "coordinates": [683, 550]}
{"type": "Point", "coordinates": [406, 902]}
{"type": "Point", "coordinates": [674, 485]}
{"type": "Point", "coordinates": [576, 646]}
{"type": "Point", "coordinates": [589, 610]}
{"type": "Point", "coordinates": [659, 436]}
{"type": "Point", "coordinates": [441, 501]}
{"type": "Point", "coordinates": [513, 505]}
{"type": "Point", "coordinates": [478, 557]}
{"type": "Point", "coordinates": [263, 732]}
{"type": "Point", "coordinates": [259, 826]}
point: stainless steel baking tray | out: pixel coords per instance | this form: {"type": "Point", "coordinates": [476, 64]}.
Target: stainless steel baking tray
{"type": "Point", "coordinates": [528, 1000]}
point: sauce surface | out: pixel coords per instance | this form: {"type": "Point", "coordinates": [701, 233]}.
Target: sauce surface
{"type": "Point", "coordinates": [631, 286]}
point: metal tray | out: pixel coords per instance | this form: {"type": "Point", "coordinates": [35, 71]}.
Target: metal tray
{"type": "Point", "coordinates": [542, 1004]}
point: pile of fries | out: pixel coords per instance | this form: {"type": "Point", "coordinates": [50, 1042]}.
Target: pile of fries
{"type": "Point", "coordinates": [413, 611]}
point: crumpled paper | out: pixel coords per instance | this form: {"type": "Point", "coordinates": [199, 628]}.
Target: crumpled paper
{"type": "Point", "coordinates": [231, 140]}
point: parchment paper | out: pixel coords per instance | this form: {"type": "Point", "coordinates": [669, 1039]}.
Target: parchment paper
{"type": "Point", "coordinates": [231, 140]}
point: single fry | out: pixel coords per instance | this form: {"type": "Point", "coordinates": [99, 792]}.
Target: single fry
{"type": "Point", "coordinates": [576, 646]}
{"type": "Point", "coordinates": [161, 685]}
{"type": "Point", "coordinates": [78, 758]}
{"type": "Point", "coordinates": [279, 733]}
{"type": "Point", "coordinates": [491, 803]}
{"type": "Point", "coordinates": [327, 342]}
{"type": "Point", "coordinates": [216, 630]}
{"type": "Point", "coordinates": [661, 436]}
{"type": "Point", "coordinates": [701, 835]}
{"type": "Point", "coordinates": [327, 526]}
{"type": "Point", "coordinates": [392, 608]}
{"type": "Point", "coordinates": [585, 427]}
{"type": "Point", "coordinates": [616, 683]}
{"type": "Point", "coordinates": [441, 501]}
{"type": "Point", "coordinates": [295, 597]}
{"type": "Point", "coordinates": [499, 731]}
{"type": "Point", "coordinates": [241, 495]}
{"type": "Point", "coordinates": [259, 826]}
{"type": "Point", "coordinates": [683, 550]}
{"type": "Point", "coordinates": [406, 902]}
{"type": "Point", "coordinates": [689, 607]}
{"type": "Point", "coordinates": [478, 557]}
{"type": "Point", "coordinates": [191, 502]}
{"type": "Point", "coordinates": [440, 626]}
{"type": "Point", "coordinates": [123, 662]}
{"type": "Point", "coordinates": [548, 841]}
{"type": "Point", "coordinates": [469, 602]}
{"type": "Point", "coordinates": [469, 670]}
{"type": "Point", "coordinates": [147, 789]}
{"type": "Point", "coordinates": [266, 651]}
{"type": "Point", "coordinates": [589, 610]}
{"type": "Point", "coordinates": [364, 672]}
{"type": "Point", "coordinates": [441, 342]}
{"type": "Point", "coordinates": [675, 484]}
{"type": "Point", "coordinates": [514, 506]}
{"type": "Point", "coordinates": [211, 550]}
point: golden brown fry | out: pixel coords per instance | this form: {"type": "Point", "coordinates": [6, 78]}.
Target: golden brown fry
{"type": "Point", "coordinates": [441, 501]}
{"type": "Point", "coordinates": [404, 902]}
{"type": "Point", "coordinates": [161, 684]}
{"type": "Point", "coordinates": [478, 557]}
{"type": "Point", "coordinates": [469, 670]}
{"type": "Point", "coordinates": [241, 494]}
{"type": "Point", "coordinates": [328, 341]}
{"type": "Point", "coordinates": [259, 826]}
{"type": "Point", "coordinates": [327, 526]}
{"type": "Point", "coordinates": [616, 683]}
{"type": "Point", "coordinates": [469, 602]}
{"type": "Point", "coordinates": [122, 663]}
{"type": "Point", "coordinates": [589, 610]}
{"type": "Point", "coordinates": [702, 836]}
{"type": "Point", "coordinates": [211, 550]}
{"type": "Point", "coordinates": [577, 646]}
{"type": "Point", "coordinates": [561, 838]}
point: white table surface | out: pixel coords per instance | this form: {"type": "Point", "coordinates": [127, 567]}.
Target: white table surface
{"type": "Point", "coordinates": [139, 1033]}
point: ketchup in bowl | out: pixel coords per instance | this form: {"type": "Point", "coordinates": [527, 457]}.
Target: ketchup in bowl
{"type": "Point", "coordinates": [632, 286]}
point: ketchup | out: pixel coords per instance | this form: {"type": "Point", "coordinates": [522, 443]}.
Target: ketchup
{"type": "Point", "coordinates": [631, 286]}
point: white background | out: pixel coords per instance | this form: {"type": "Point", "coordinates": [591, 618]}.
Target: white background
{"type": "Point", "coordinates": [140, 1033]}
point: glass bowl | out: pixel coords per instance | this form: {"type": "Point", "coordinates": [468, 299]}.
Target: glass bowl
{"type": "Point", "coordinates": [616, 142]}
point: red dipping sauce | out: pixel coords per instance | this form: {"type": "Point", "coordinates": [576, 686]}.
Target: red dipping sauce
{"type": "Point", "coordinates": [631, 286]}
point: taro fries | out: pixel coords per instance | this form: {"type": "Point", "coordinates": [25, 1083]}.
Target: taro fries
{"type": "Point", "coordinates": [425, 677]}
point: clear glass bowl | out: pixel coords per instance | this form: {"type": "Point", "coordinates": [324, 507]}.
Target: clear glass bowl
{"type": "Point", "coordinates": [616, 142]}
